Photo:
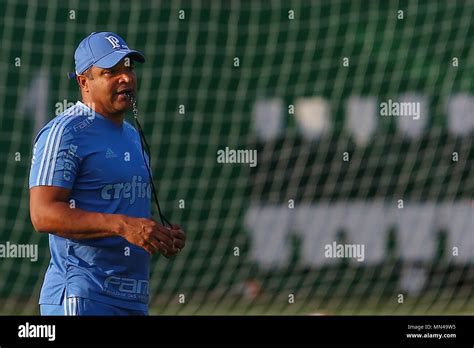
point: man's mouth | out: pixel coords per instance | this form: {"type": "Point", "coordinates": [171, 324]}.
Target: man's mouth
{"type": "Point", "coordinates": [125, 92]}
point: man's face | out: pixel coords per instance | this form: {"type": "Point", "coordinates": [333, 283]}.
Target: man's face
{"type": "Point", "coordinates": [105, 87]}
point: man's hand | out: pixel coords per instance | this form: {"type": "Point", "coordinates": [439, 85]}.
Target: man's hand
{"type": "Point", "coordinates": [179, 238]}
{"type": "Point", "coordinates": [153, 236]}
{"type": "Point", "coordinates": [149, 235]}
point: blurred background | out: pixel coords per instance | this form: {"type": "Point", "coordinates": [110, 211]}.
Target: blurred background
{"type": "Point", "coordinates": [303, 83]}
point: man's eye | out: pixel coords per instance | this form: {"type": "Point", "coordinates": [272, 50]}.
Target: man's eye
{"type": "Point", "coordinates": [107, 72]}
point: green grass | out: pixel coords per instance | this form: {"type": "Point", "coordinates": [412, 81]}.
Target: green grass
{"type": "Point", "coordinates": [345, 307]}
{"type": "Point", "coordinates": [424, 305]}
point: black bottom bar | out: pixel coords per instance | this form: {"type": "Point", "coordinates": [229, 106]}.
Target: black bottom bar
{"type": "Point", "coordinates": [289, 330]}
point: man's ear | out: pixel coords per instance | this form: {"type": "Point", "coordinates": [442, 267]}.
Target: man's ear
{"type": "Point", "coordinates": [83, 82]}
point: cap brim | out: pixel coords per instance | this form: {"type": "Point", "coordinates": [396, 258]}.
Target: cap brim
{"type": "Point", "coordinates": [113, 58]}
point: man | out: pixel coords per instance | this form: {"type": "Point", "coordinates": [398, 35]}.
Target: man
{"type": "Point", "coordinates": [90, 190]}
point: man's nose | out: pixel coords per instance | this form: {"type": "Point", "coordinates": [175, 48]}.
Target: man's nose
{"type": "Point", "coordinates": [125, 77]}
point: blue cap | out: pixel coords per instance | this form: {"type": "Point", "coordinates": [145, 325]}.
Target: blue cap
{"type": "Point", "coordinates": [104, 50]}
